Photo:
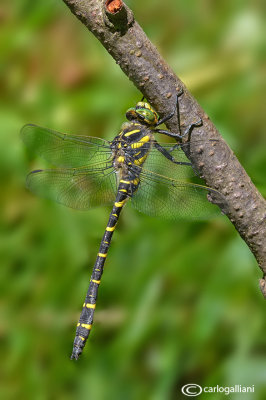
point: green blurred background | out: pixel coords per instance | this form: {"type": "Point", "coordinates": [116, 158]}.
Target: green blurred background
{"type": "Point", "coordinates": [179, 302]}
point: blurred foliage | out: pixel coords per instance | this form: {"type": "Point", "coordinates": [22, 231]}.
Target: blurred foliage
{"type": "Point", "coordinates": [179, 303]}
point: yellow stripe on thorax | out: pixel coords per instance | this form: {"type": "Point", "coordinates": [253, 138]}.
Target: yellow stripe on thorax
{"type": "Point", "coordinates": [141, 142]}
{"type": "Point", "coordinates": [140, 160]}
{"type": "Point", "coordinates": [131, 132]}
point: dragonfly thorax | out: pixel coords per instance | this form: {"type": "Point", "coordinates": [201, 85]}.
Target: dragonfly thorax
{"type": "Point", "coordinates": [130, 149]}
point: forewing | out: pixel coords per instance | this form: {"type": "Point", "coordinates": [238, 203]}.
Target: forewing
{"type": "Point", "coordinates": [64, 150]}
{"type": "Point", "coordinates": [156, 162]}
{"type": "Point", "coordinates": [80, 188]}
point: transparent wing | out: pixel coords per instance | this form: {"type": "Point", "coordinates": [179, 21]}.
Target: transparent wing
{"type": "Point", "coordinates": [158, 163]}
{"type": "Point", "coordinates": [80, 188]}
{"type": "Point", "coordinates": [64, 150]}
{"type": "Point", "coordinates": [160, 196]}
{"type": "Point", "coordinates": [172, 191]}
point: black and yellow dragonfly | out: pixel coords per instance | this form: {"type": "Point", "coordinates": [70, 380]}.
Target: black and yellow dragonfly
{"type": "Point", "coordinates": [92, 171]}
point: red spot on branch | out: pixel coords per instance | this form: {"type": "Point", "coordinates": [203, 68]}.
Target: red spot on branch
{"type": "Point", "coordinates": [113, 6]}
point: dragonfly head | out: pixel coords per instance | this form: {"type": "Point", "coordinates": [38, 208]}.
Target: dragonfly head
{"type": "Point", "coordinates": [144, 113]}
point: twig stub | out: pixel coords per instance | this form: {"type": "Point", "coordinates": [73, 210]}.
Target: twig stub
{"type": "Point", "coordinates": [113, 6]}
{"type": "Point", "coordinates": [117, 16]}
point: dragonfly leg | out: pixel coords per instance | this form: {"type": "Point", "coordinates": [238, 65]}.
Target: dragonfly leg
{"type": "Point", "coordinates": [188, 131]}
{"type": "Point", "coordinates": [178, 135]}
{"type": "Point", "coordinates": [190, 128]}
{"type": "Point", "coordinates": [169, 156]}
{"type": "Point", "coordinates": [168, 133]}
{"type": "Point", "coordinates": [176, 110]}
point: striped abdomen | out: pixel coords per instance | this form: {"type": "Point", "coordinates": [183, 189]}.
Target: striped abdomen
{"type": "Point", "coordinates": [86, 318]}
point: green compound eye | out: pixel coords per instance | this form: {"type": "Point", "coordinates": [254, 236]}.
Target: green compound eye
{"type": "Point", "coordinates": [144, 113]}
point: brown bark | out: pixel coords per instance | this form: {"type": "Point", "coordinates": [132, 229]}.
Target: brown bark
{"type": "Point", "coordinates": [113, 24]}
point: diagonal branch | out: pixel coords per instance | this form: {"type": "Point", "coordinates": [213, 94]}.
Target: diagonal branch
{"type": "Point", "coordinates": [113, 24]}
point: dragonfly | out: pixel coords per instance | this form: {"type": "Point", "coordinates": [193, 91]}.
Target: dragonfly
{"type": "Point", "coordinates": [89, 171]}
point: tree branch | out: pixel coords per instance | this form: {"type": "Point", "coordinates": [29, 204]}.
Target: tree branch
{"type": "Point", "coordinates": [112, 22]}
